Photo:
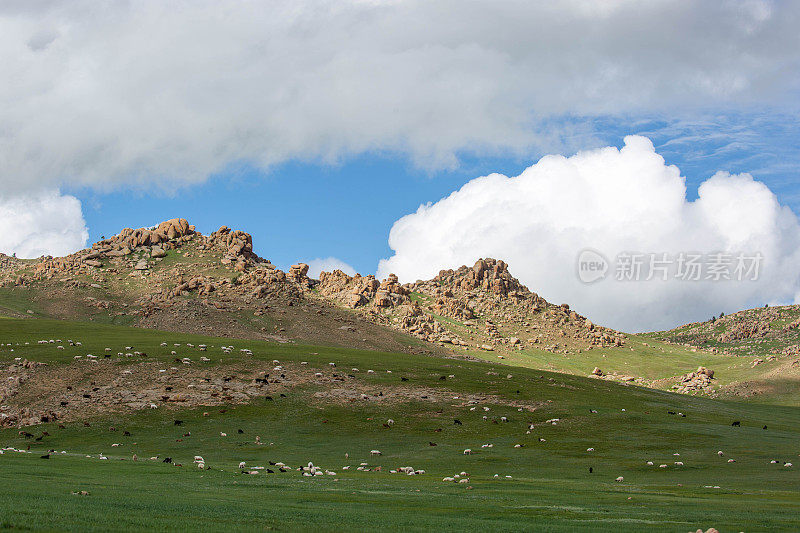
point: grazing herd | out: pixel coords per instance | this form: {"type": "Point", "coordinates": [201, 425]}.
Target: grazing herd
{"type": "Point", "coordinates": [309, 469]}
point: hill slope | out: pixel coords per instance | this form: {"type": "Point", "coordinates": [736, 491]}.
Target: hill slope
{"type": "Point", "coordinates": [171, 277]}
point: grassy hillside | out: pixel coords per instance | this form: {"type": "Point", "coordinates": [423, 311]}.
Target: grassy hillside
{"type": "Point", "coordinates": [323, 418]}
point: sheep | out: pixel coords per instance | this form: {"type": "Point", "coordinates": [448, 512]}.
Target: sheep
{"type": "Point", "coordinates": [241, 465]}
{"type": "Point", "coordinates": [221, 434]}
{"type": "Point", "coordinates": [649, 463]}
{"type": "Point", "coordinates": [390, 422]}
{"type": "Point", "coordinates": [678, 463]}
{"type": "Point", "coordinates": [720, 453]}
{"type": "Point", "coordinates": [199, 459]}
{"type": "Point", "coordinates": [787, 465]}
{"type": "Point", "coordinates": [589, 449]}
{"type": "Point", "coordinates": [201, 466]}
{"type": "Point", "coordinates": [620, 479]}
{"type": "Point", "coordinates": [375, 452]}
{"type": "Point", "coordinates": [468, 451]}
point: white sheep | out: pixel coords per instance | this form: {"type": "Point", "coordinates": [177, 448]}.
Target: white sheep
{"type": "Point", "coordinates": [468, 451]}
{"type": "Point", "coordinates": [375, 452]}
{"type": "Point", "coordinates": [241, 464]}
{"type": "Point", "coordinates": [620, 479]}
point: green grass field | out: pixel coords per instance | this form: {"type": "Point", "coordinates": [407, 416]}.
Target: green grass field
{"type": "Point", "coordinates": [550, 489]}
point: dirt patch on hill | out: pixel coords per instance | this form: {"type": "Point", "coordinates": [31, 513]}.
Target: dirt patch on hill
{"type": "Point", "coordinates": [393, 395]}
{"type": "Point", "coordinates": [31, 393]}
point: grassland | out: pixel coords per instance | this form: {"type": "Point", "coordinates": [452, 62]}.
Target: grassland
{"type": "Point", "coordinates": [550, 488]}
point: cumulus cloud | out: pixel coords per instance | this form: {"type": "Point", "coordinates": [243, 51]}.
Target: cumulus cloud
{"type": "Point", "coordinates": [41, 223]}
{"type": "Point", "coordinates": [155, 93]}
{"type": "Point", "coordinates": [328, 264]}
{"type": "Point", "coordinates": [620, 203]}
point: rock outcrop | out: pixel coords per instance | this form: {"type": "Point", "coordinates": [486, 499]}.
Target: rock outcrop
{"type": "Point", "coordinates": [696, 381]}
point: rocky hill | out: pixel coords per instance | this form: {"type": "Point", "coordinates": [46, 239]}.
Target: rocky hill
{"type": "Point", "coordinates": [766, 331]}
{"type": "Point", "coordinates": [172, 277]}
{"type": "Point", "coordinates": [482, 306]}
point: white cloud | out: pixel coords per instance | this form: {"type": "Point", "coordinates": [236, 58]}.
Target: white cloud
{"type": "Point", "coordinates": [328, 264]}
{"type": "Point", "coordinates": [155, 93]}
{"type": "Point", "coordinates": [613, 201]}
{"type": "Point", "coordinates": [41, 223]}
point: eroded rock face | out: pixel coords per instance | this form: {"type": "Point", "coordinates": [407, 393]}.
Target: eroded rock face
{"type": "Point", "coordinates": [698, 380]}
{"type": "Point", "coordinates": [358, 291]}
{"type": "Point", "coordinates": [489, 275]}
{"type": "Point", "coordinates": [485, 292]}
{"type": "Point", "coordinates": [154, 241]}
{"type": "Point", "coordinates": [488, 290]}
{"type": "Point", "coordinates": [299, 274]}
{"type": "Point", "coordinates": [237, 245]}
